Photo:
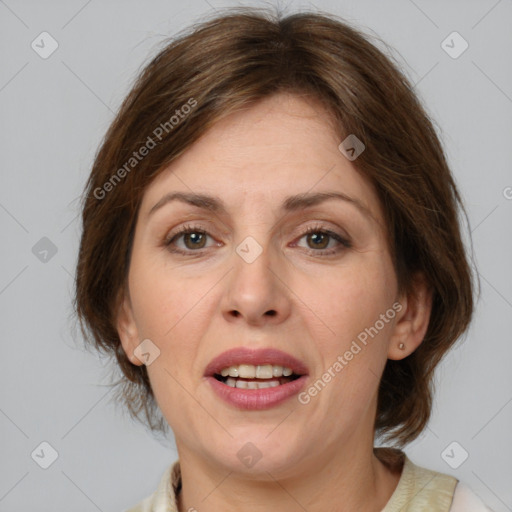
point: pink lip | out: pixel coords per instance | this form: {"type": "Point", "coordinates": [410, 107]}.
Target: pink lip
{"type": "Point", "coordinates": [255, 399]}
{"type": "Point", "coordinates": [244, 355]}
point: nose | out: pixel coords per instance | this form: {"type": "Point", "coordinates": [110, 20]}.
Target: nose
{"type": "Point", "coordinates": [256, 292]}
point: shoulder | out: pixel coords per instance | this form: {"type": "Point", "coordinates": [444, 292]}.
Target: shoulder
{"type": "Point", "coordinates": [164, 498]}
{"type": "Point", "coordinates": [465, 500]}
{"type": "Point", "coordinates": [422, 489]}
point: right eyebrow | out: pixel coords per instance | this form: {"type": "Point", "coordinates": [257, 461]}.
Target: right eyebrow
{"type": "Point", "coordinates": [206, 202]}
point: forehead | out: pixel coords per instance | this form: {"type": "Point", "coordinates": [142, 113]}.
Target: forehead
{"type": "Point", "coordinates": [254, 158]}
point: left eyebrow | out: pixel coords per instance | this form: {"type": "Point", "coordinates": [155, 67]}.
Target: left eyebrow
{"type": "Point", "coordinates": [306, 200]}
{"type": "Point", "coordinates": [290, 204]}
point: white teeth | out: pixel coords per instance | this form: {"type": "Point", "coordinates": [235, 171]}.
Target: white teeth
{"type": "Point", "coordinates": [249, 371]}
{"type": "Point", "coordinates": [263, 376]}
{"type": "Point", "coordinates": [233, 371]}
{"type": "Point", "coordinates": [268, 384]}
{"type": "Point", "coordinates": [251, 384]}
{"type": "Point", "coordinates": [264, 372]}
{"type": "Point", "coordinates": [277, 371]}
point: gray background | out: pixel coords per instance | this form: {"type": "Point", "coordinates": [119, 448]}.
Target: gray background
{"type": "Point", "coordinates": [54, 112]}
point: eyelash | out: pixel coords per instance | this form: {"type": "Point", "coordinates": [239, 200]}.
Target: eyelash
{"type": "Point", "coordinates": [188, 229]}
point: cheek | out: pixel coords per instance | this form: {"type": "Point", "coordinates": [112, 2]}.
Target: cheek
{"type": "Point", "coordinates": [352, 339]}
{"type": "Point", "coordinates": [352, 298]}
{"type": "Point", "coordinates": [174, 313]}
{"type": "Point", "coordinates": [161, 298]}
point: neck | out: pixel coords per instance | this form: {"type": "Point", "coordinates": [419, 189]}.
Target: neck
{"type": "Point", "coordinates": [347, 480]}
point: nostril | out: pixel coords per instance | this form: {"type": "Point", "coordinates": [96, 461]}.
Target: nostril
{"type": "Point", "coordinates": [272, 312]}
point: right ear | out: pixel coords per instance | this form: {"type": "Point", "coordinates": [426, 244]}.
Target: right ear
{"type": "Point", "coordinates": [127, 328]}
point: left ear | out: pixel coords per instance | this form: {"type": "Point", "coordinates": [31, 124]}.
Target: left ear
{"type": "Point", "coordinates": [412, 320]}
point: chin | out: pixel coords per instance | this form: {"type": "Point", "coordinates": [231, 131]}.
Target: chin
{"type": "Point", "coordinates": [255, 453]}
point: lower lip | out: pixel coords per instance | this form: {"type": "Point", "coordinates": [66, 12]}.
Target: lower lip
{"type": "Point", "coordinates": [257, 399]}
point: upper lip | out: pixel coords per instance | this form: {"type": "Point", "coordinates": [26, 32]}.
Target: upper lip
{"type": "Point", "coordinates": [244, 355]}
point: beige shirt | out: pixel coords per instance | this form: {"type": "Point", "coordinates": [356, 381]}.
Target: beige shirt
{"type": "Point", "coordinates": [418, 490]}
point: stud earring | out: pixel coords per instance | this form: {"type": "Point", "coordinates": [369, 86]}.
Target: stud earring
{"type": "Point", "coordinates": [401, 346]}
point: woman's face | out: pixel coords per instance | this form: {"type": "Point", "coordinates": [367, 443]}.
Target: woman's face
{"type": "Point", "coordinates": [249, 277]}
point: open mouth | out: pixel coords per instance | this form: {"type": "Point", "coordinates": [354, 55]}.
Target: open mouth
{"type": "Point", "coordinates": [251, 379]}
{"type": "Point", "coordinates": [248, 376]}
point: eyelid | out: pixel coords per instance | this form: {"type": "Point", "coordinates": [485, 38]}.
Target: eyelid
{"type": "Point", "coordinates": [183, 230]}
{"type": "Point", "coordinates": [319, 227]}
{"type": "Point", "coordinates": [342, 240]}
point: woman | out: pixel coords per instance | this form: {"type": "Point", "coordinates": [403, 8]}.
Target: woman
{"type": "Point", "coordinates": [271, 250]}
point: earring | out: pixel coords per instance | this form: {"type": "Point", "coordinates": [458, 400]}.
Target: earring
{"type": "Point", "coordinates": [401, 346]}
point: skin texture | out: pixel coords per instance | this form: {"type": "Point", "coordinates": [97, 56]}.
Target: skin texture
{"type": "Point", "coordinates": [195, 306]}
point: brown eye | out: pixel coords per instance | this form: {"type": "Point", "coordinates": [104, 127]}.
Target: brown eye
{"type": "Point", "coordinates": [323, 242]}
{"type": "Point", "coordinates": [319, 240]}
{"type": "Point", "coordinates": [189, 239]}
{"type": "Point", "coordinates": [194, 240]}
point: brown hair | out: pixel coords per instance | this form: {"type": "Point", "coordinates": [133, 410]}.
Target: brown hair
{"type": "Point", "coordinates": [228, 63]}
